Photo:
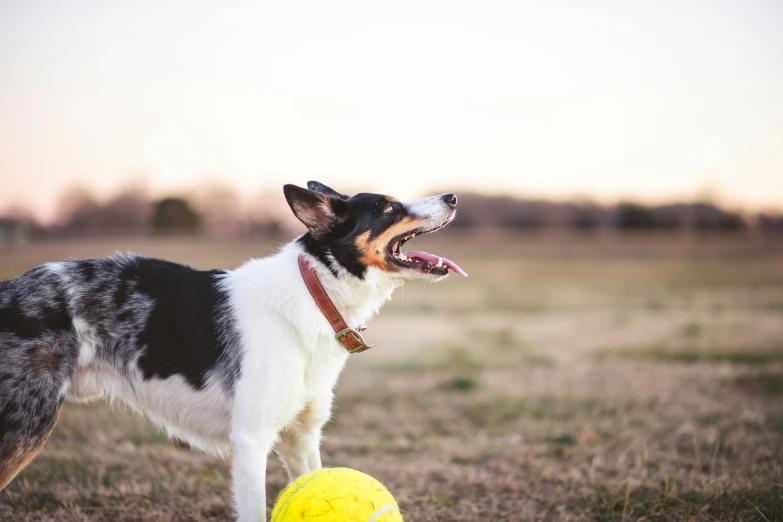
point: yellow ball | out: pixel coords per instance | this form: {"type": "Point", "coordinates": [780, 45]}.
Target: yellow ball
{"type": "Point", "coordinates": [336, 495]}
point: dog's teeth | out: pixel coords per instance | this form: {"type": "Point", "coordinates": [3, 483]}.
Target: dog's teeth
{"type": "Point", "coordinates": [439, 263]}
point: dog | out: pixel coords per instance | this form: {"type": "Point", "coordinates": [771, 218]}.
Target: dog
{"type": "Point", "coordinates": [232, 362]}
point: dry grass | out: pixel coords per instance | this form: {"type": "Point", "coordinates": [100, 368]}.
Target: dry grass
{"type": "Point", "coordinates": [566, 379]}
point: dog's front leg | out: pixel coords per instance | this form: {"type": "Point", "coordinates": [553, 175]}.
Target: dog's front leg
{"type": "Point", "coordinates": [249, 474]}
{"type": "Point", "coordinates": [263, 404]}
{"type": "Point", "coordinates": [299, 443]}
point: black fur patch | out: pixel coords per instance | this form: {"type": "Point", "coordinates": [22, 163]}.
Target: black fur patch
{"type": "Point", "coordinates": [20, 319]}
{"type": "Point", "coordinates": [14, 321]}
{"type": "Point", "coordinates": [182, 334]}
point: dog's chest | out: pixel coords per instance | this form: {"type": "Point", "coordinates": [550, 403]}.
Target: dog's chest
{"type": "Point", "coordinates": [323, 371]}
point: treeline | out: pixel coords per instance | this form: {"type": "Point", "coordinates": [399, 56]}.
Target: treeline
{"type": "Point", "coordinates": [480, 211]}
{"type": "Point", "coordinates": [215, 211]}
{"type": "Point", "coordinates": [218, 211]}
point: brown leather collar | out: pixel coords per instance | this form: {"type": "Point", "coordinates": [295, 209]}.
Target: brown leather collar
{"type": "Point", "coordinates": [348, 337]}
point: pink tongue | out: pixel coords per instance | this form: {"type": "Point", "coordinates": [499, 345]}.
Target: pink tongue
{"type": "Point", "coordinates": [434, 260]}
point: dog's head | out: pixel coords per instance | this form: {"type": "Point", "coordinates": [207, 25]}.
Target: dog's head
{"type": "Point", "coordinates": [367, 231]}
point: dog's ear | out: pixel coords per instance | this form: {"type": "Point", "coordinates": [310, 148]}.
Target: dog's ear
{"type": "Point", "coordinates": [319, 212]}
{"type": "Point", "coordinates": [323, 189]}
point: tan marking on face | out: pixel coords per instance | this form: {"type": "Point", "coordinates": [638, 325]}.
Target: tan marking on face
{"type": "Point", "coordinates": [374, 251]}
{"type": "Point", "coordinates": [15, 454]}
{"type": "Point", "coordinates": [390, 198]}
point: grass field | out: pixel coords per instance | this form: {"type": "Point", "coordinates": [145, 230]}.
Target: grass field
{"type": "Point", "coordinates": [567, 378]}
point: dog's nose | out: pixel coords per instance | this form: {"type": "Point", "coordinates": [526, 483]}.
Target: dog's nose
{"type": "Point", "coordinates": [450, 199]}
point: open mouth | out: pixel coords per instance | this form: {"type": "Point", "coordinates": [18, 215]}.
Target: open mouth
{"type": "Point", "coordinates": [421, 261]}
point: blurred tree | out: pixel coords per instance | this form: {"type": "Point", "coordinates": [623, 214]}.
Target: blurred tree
{"type": "Point", "coordinates": [127, 212]}
{"type": "Point", "coordinates": [632, 216]}
{"type": "Point", "coordinates": [77, 213]}
{"type": "Point", "coordinates": [708, 217]}
{"type": "Point", "coordinates": [13, 232]}
{"type": "Point", "coordinates": [221, 210]}
{"type": "Point", "coordinates": [19, 224]}
{"type": "Point", "coordinates": [585, 217]}
{"type": "Point", "coordinates": [80, 213]}
{"type": "Point", "coordinates": [175, 216]}
{"type": "Point", "coordinates": [767, 222]}
{"type": "Point", "coordinates": [731, 222]}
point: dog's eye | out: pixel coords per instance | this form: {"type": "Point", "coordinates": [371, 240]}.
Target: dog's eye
{"type": "Point", "coordinates": [389, 208]}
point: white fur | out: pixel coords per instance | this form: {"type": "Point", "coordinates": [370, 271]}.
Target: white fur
{"type": "Point", "coordinates": [87, 340]}
{"type": "Point", "coordinates": [433, 209]}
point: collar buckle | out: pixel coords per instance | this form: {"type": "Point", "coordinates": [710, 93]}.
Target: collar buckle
{"type": "Point", "coordinates": [352, 341]}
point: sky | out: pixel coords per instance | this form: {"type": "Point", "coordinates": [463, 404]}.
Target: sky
{"type": "Point", "coordinates": [603, 100]}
